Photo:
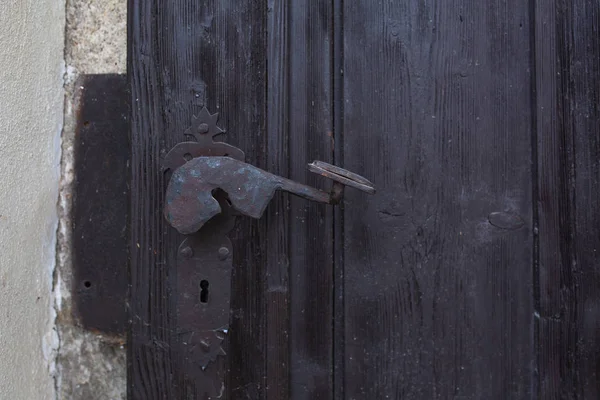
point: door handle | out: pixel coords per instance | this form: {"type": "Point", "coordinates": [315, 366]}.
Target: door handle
{"type": "Point", "coordinates": [208, 181]}
{"type": "Point", "coordinates": [189, 197]}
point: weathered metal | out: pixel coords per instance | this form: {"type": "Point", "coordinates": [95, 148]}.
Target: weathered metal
{"type": "Point", "coordinates": [203, 278]}
{"type": "Point", "coordinates": [100, 205]}
{"type": "Point", "coordinates": [204, 270]}
{"type": "Point", "coordinates": [190, 202]}
{"type": "Point", "coordinates": [208, 182]}
{"type": "Point", "coordinates": [203, 129]}
{"type": "Point", "coordinates": [342, 176]}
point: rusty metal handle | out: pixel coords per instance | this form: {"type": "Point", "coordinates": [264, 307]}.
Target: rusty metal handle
{"type": "Point", "coordinates": [208, 181]}
{"type": "Point", "coordinates": [304, 191]}
{"type": "Point", "coordinates": [190, 202]}
{"type": "Point", "coordinates": [342, 176]}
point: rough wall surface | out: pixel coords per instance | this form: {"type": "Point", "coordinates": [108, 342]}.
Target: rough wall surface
{"type": "Point", "coordinates": [91, 367]}
{"type": "Point", "coordinates": [31, 115]}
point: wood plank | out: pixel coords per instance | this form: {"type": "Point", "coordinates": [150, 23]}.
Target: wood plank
{"type": "Point", "coordinates": [339, 337]}
{"type": "Point", "coordinates": [310, 224]}
{"type": "Point", "coordinates": [185, 54]}
{"type": "Point", "coordinates": [277, 215]}
{"type": "Point", "coordinates": [148, 358]}
{"type": "Point", "coordinates": [567, 43]}
{"type": "Point", "coordinates": [299, 234]}
{"type": "Point", "coordinates": [438, 288]}
{"type": "Point", "coordinates": [241, 75]}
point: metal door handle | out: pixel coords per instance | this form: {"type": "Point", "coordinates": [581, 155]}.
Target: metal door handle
{"type": "Point", "coordinates": [189, 197]}
{"type": "Point", "coordinates": [208, 181]}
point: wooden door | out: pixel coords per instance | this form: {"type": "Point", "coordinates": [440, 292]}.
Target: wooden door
{"type": "Point", "coordinates": [471, 274]}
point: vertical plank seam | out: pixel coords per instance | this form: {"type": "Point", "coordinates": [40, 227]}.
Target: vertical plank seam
{"type": "Point", "coordinates": [265, 284]}
{"type": "Point", "coordinates": [288, 207]}
{"type": "Point", "coordinates": [570, 178]}
{"type": "Point", "coordinates": [128, 331]}
{"type": "Point", "coordinates": [337, 98]}
{"type": "Point", "coordinates": [279, 72]}
{"type": "Point", "coordinates": [535, 393]}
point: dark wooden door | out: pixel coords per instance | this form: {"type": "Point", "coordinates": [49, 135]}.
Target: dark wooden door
{"type": "Point", "coordinates": [473, 273]}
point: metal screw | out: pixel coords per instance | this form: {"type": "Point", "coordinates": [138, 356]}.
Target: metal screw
{"type": "Point", "coordinates": [203, 128]}
{"type": "Point", "coordinates": [223, 253]}
{"type": "Point", "coordinates": [187, 252]}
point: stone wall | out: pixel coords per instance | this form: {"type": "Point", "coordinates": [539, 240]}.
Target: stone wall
{"type": "Point", "coordinates": [90, 366]}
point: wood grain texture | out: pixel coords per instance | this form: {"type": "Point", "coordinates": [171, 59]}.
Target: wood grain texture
{"type": "Point", "coordinates": [299, 268]}
{"type": "Point", "coordinates": [310, 224]}
{"type": "Point", "coordinates": [183, 55]}
{"type": "Point", "coordinates": [471, 274]}
{"type": "Point", "coordinates": [266, 66]}
{"type": "Point", "coordinates": [149, 360]}
{"type": "Point", "coordinates": [567, 42]}
{"type": "Point", "coordinates": [277, 216]}
{"type": "Point", "coordinates": [241, 96]}
{"type": "Point", "coordinates": [339, 328]}
{"type": "Point", "coordinates": [437, 110]}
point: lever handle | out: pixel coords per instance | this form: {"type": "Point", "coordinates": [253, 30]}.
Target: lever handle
{"type": "Point", "coordinates": [342, 176]}
{"type": "Point", "coordinates": [209, 177]}
{"type": "Point", "coordinates": [190, 202]}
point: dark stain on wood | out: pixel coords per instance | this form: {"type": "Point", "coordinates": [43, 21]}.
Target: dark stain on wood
{"type": "Point", "coordinates": [505, 220]}
{"type": "Point", "coordinates": [183, 55]}
{"type": "Point", "coordinates": [470, 274]}
{"type": "Point", "coordinates": [281, 325]}
{"type": "Point", "coordinates": [100, 204]}
{"type": "Point", "coordinates": [567, 313]}
{"type": "Point", "coordinates": [437, 112]}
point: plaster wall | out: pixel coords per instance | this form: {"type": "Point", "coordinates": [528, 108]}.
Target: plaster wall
{"type": "Point", "coordinates": [31, 115]}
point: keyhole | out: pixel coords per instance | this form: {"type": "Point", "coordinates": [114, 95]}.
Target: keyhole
{"type": "Point", "coordinates": [204, 291]}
